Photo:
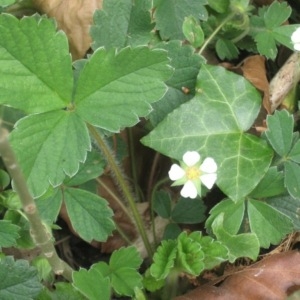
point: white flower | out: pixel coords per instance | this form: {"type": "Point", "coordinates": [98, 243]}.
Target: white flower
{"type": "Point", "coordinates": [296, 39]}
{"type": "Point", "coordinates": [191, 173]}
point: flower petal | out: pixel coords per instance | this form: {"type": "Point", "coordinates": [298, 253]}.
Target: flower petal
{"type": "Point", "coordinates": [189, 190]}
{"type": "Point", "coordinates": [176, 172]}
{"type": "Point", "coordinates": [209, 165]}
{"type": "Point", "coordinates": [191, 158]}
{"type": "Point", "coordinates": [208, 179]}
{"type": "Point", "coordinates": [297, 46]}
{"type": "Point", "coordinates": [296, 36]}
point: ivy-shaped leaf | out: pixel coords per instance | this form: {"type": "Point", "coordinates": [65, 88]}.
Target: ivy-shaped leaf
{"type": "Point", "coordinates": [128, 82]}
{"type": "Point", "coordinates": [89, 214]}
{"type": "Point", "coordinates": [36, 70]}
{"type": "Point", "coordinates": [119, 24]}
{"type": "Point", "coordinates": [169, 16]}
{"type": "Point", "coordinates": [49, 146]}
{"type": "Point", "coordinates": [18, 280]}
{"type": "Point", "coordinates": [267, 223]}
{"type": "Point", "coordinates": [213, 124]}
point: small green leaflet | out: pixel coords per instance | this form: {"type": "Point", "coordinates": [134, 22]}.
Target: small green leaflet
{"type": "Point", "coordinates": [18, 280]}
{"type": "Point", "coordinates": [213, 124]}
{"type": "Point", "coordinates": [119, 24]}
{"type": "Point", "coordinates": [169, 16]}
{"type": "Point", "coordinates": [111, 91]}
{"type": "Point", "coordinates": [9, 233]}
{"type": "Point", "coordinates": [90, 215]}
{"type": "Point", "coordinates": [292, 178]}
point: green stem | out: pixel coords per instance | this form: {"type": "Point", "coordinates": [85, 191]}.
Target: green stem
{"type": "Point", "coordinates": [215, 32]}
{"type": "Point", "coordinates": [40, 234]}
{"type": "Point", "coordinates": [123, 184]}
{"type": "Point", "coordinates": [171, 286]}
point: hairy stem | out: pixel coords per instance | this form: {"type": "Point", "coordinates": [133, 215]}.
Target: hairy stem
{"type": "Point", "coordinates": [40, 234]}
{"type": "Point", "coordinates": [123, 184]}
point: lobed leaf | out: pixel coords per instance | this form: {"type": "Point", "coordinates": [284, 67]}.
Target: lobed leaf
{"type": "Point", "coordinates": [213, 124]}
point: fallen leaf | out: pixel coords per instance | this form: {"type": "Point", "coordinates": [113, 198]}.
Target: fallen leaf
{"type": "Point", "coordinates": [270, 279]}
{"type": "Point", "coordinates": [74, 17]}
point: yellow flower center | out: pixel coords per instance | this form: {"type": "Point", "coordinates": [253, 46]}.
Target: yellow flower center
{"type": "Point", "coordinates": [192, 173]}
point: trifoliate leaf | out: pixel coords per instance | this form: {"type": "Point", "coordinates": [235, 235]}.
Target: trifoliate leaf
{"type": "Point", "coordinates": [92, 284]}
{"type": "Point", "coordinates": [181, 85]}
{"type": "Point", "coordinates": [271, 185]}
{"type": "Point", "coordinates": [119, 24]}
{"type": "Point", "coordinates": [241, 245]}
{"type": "Point", "coordinates": [169, 16]}
{"type": "Point", "coordinates": [36, 70]}
{"type": "Point", "coordinates": [269, 225]}
{"type": "Point", "coordinates": [114, 89]}
{"type": "Point", "coordinates": [164, 259]}
{"type": "Point", "coordinates": [124, 275]}
{"type": "Point", "coordinates": [189, 211]}
{"type": "Point", "coordinates": [8, 234]}
{"type": "Point", "coordinates": [50, 146]}
{"type": "Point", "coordinates": [18, 280]}
{"type": "Point", "coordinates": [280, 131]}
{"type": "Point", "coordinates": [233, 215]}
{"type": "Point", "coordinates": [292, 178]}
{"type": "Point", "coordinates": [90, 215]}
{"type": "Point", "coordinates": [213, 124]}
{"type": "Point", "coordinates": [189, 255]}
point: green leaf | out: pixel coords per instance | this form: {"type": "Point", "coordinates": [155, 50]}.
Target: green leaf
{"type": "Point", "coordinates": [4, 3]}
{"type": "Point", "coordinates": [128, 82]}
{"type": "Point", "coordinates": [225, 106]}
{"type": "Point", "coordinates": [8, 234]}
{"type": "Point", "coordinates": [276, 14]}
{"type": "Point", "coordinates": [280, 131]}
{"type": "Point", "coordinates": [189, 255]}
{"type": "Point", "coordinates": [193, 31]}
{"type": "Point", "coordinates": [49, 206]}
{"type": "Point", "coordinates": [186, 66]}
{"type": "Point", "coordinates": [4, 180]}
{"type": "Point", "coordinates": [169, 16]}
{"type": "Point", "coordinates": [233, 215]}
{"type": "Point", "coordinates": [226, 49]}
{"type": "Point", "coordinates": [219, 6]}
{"type": "Point", "coordinates": [188, 211]}
{"type": "Point", "coordinates": [92, 284]}
{"type": "Point", "coordinates": [292, 178]}
{"type": "Point", "coordinates": [90, 169]}
{"type": "Point", "coordinates": [214, 252]}
{"type": "Point", "coordinates": [269, 225]}
{"type": "Point", "coordinates": [162, 204]}
{"type": "Point", "coordinates": [36, 70]}
{"type": "Point", "coordinates": [271, 185]}
{"type": "Point", "coordinates": [288, 206]}
{"type": "Point", "coordinates": [124, 276]}
{"type": "Point", "coordinates": [164, 259]}
{"type": "Point", "coordinates": [241, 245]}
{"type": "Point", "coordinates": [150, 283]}
{"type": "Point", "coordinates": [172, 231]}
{"type": "Point", "coordinates": [18, 281]}
{"type": "Point", "coordinates": [62, 291]}
{"type": "Point", "coordinates": [294, 154]}
{"type": "Point", "coordinates": [50, 146]}
{"type": "Point", "coordinates": [90, 215]}
{"type": "Point", "coordinates": [266, 44]}
{"type": "Point", "coordinates": [119, 24]}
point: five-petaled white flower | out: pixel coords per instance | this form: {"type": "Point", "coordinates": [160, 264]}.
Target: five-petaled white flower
{"type": "Point", "coordinates": [191, 173]}
{"type": "Point", "coordinates": [296, 39]}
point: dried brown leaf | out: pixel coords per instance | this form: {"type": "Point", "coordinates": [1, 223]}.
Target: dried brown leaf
{"type": "Point", "coordinates": [74, 17]}
{"type": "Point", "coordinates": [270, 279]}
